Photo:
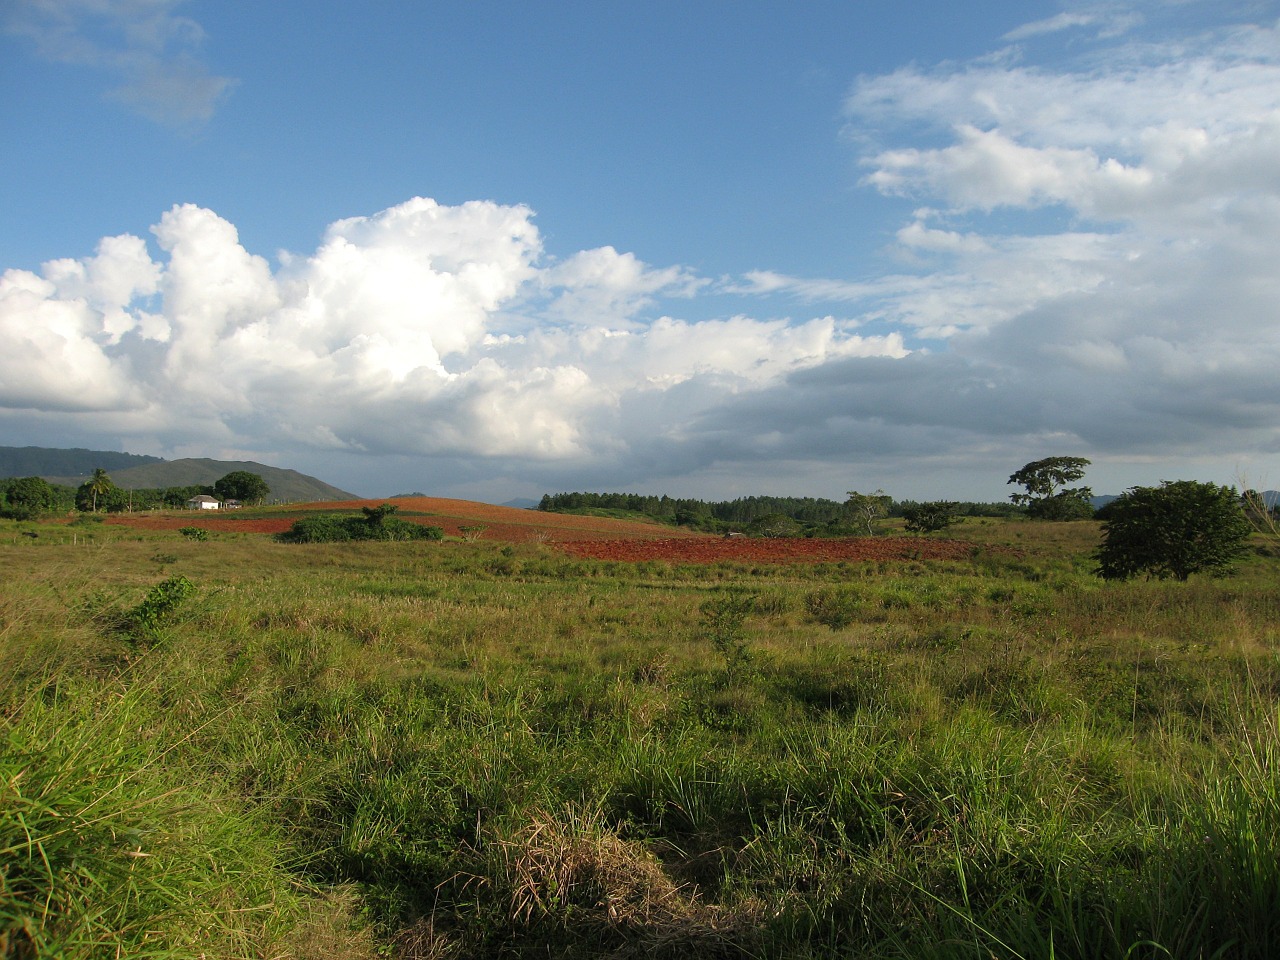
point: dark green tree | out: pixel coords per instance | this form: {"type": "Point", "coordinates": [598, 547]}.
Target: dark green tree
{"type": "Point", "coordinates": [243, 486]}
{"type": "Point", "coordinates": [376, 517]}
{"type": "Point", "coordinates": [94, 490]}
{"type": "Point", "coordinates": [928, 517]}
{"type": "Point", "coordinates": [1172, 531]}
{"type": "Point", "coordinates": [1047, 495]}
{"type": "Point", "coordinates": [29, 496]}
{"type": "Point", "coordinates": [177, 497]}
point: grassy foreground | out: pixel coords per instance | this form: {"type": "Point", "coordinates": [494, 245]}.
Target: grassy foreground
{"type": "Point", "coordinates": [242, 748]}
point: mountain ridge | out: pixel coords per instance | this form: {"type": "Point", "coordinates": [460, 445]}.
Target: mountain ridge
{"type": "Point", "coordinates": [71, 467]}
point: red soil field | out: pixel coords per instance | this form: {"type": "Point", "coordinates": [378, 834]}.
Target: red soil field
{"type": "Point", "coordinates": [744, 550]}
{"type": "Point", "coordinates": [595, 538]}
{"type": "Point", "coordinates": [505, 524]}
{"type": "Point", "coordinates": [173, 521]}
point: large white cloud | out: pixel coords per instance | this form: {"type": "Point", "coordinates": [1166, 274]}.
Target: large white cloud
{"type": "Point", "coordinates": [1143, 132]}
{"type": "Point", "coordinates": [1098, 243]}
{"type": "Point", "coordinates": [1086, 266]}
{"type": "Point", "coordinates": [1092, 248]}
{"type": "Point", "coordinates": [422, 329]}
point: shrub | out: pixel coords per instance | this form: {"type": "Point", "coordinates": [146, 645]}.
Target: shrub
{"type": "Point", "coordinates": [928, 517]}
{"type": "Point", "coordinates": [160, 601]}
{"type": "Point", "coordinates": [375, 523]}
{"type": "Point", "coordinates": [1174, 530]}
{"type": "Point", "coordinates": [194, 533]}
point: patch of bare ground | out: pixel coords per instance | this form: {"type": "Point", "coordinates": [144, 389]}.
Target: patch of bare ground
{"type": "Point", "coordinates": [765, 550]}
{"type": "Point", "coordinates": [458, 518]}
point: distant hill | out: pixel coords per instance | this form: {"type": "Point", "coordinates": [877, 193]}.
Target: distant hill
{"type": "Point", "coordinates": [77, 462]}
{"type": "Point", "coordinates": [130, 472]}
{"type": "Point", "coordinates": [289, 485]}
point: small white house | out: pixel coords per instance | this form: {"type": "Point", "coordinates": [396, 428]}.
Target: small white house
{"type": "Point", "coordinates": [203, 502]}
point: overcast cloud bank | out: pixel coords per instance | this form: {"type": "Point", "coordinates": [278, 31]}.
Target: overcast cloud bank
{"type": "Point", "coordinates": [1088, 267]}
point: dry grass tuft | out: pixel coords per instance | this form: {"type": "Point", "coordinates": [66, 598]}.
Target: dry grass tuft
{"type": "Point", "coordinates": [332, 929]}
{"type": "Point", "coordinates": [575, 872]}
{"type": "Point", "coordinates": [427, 940]}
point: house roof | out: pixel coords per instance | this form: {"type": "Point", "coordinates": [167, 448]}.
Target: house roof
{"type": "Point", "coordinates": [203, 498]}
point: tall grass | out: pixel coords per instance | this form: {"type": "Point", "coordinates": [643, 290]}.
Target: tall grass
{"type": "Point", "coordinates": [109, 850]}
{"type": "Point", "coordinates": [471, 749]}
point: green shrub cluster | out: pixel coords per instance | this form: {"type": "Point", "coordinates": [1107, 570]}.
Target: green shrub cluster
{"type": "Point", "coordinates": [374, 523]}
{"type": "Point", "coordinates": [146, 619]}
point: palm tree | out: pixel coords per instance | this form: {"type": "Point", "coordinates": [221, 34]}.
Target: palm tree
{"type": "Point", "coordinates": [99, 485]}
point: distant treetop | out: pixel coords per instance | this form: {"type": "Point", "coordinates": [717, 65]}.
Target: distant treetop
{"type": "Point", "coordinates": [1047, 495]}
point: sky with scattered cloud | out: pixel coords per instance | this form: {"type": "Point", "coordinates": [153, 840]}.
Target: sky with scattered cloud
{"type": "Point", "coordinates": [713, 251]}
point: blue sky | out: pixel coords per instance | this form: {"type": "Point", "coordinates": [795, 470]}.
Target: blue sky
{"type": "Point", "coordinates": [494, 250]}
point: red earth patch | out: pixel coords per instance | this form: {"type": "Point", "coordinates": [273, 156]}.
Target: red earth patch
{"type": "Point", "coordinates": [752, 550]}
{"type": "Point", "coordinates": [594, 538]}
{"type": "Point", "coordinates": [488, 522]}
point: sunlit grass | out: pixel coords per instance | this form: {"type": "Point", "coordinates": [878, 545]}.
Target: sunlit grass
{"type": "Point", "coordinates": [470, 748]}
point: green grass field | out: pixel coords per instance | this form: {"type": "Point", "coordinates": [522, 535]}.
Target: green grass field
{"type": "Point", "coordinates": [243, 748]}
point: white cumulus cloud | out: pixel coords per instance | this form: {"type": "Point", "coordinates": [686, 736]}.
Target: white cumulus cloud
{"type": "Point", "coordinates": [423, 329]}
{"type": "Point", "coordinates": [1085, 264]}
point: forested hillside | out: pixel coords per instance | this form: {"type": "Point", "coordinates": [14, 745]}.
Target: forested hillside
{"type": "Point", "coordinates": [77, 462]}
{"type": "Point", "coordinates": [70, 468]}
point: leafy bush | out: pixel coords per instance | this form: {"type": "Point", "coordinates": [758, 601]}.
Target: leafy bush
{"type": "Point", "coordinates": [194, 533]}
{"type": "Point", "coordinates": [375, 523]}
{"type": "Point", "coordinates": [160, 601]}
{"type": "Point", "coordinates": [28, 497]}
{"type": "Point", "coordinates": [1172, 531]}
{"type": "Point", "coordinates": [928, 517]}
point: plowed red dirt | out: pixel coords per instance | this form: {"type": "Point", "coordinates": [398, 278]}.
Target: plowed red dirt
{"type": "Point", "coordinates": [228, 523]}
{"type": "Point", "coordinates": [744, 550]}
{"type": "Point", "coordinates": [595, 538]}
{"type": "Point", "coordinates": [506, 524]}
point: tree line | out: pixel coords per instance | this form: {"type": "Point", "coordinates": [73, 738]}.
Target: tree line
{"type": "Point", "coordinates": [23, 498]}
{"type": "Point", "coordinates": [770, 516]}
{"type": "Point", "coordinates": [1170, 531]}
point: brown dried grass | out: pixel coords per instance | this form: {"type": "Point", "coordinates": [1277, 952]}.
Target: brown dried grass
{"type": "Point", "coordinates": [575, 873]}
